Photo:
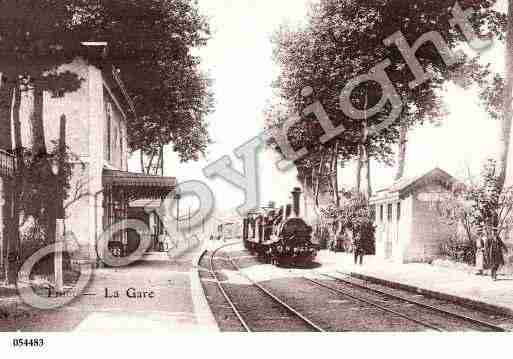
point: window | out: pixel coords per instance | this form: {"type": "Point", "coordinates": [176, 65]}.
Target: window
{"type": "Point", "coordinates": [381, 213]}
{"type": "Point", "coordinates": [373, 212]}
{"type": "Point", "coordinates": [389, 212]}
{"type": "Point", "coordinates": [398, 211]}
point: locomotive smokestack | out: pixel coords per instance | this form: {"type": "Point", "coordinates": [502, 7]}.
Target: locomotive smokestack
{"type": "Point", "coordinates": [296, 196]}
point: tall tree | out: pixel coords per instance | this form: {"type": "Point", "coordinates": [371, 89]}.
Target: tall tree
{"type": "Point", "coordinates": [507, 111]}
{"type": "Point", "coordinates": [152, 43]}
{"type": "Point", "coordinates": [345, 38]}
{"type": "Point", "coordinates": [35, 38]}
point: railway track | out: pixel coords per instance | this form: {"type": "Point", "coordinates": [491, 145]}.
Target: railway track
{"type": "Point", "coordinates": [316, 301]}
{"type": "Point", "coordinates": [254, 306]}
{"type": "Point", "coordinates": [429, 316]}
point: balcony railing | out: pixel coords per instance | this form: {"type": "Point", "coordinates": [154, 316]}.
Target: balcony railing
{"type": "Point", "coordinates": [6, 164]}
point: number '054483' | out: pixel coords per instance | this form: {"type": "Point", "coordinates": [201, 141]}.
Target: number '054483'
{"type": "Point", "coordinates": [25, 342]}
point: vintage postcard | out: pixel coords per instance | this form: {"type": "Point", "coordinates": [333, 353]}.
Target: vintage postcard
{"type": "Point", "coordinates": [211, 166]}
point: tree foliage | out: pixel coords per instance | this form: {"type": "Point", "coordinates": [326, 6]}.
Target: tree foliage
{"type": "Point", "coordinates": [152, 42]}
{"type": "Point", "coordinates": [479, 207]}
{"type": "Point", "coordinates": [343, 39]}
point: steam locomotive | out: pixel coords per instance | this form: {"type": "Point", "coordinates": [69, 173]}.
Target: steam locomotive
{"type": "Point", "coordinates": [280, 236]}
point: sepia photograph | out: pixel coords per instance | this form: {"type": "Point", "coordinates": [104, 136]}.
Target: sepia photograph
{"type": "Point", "coordinates": [202, 167]}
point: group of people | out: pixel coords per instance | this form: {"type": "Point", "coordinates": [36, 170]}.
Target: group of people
{"type": "Point", "coordinates": [490, 253]}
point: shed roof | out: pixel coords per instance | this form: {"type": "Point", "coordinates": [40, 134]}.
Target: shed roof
{"type": "Point", "coordinates": [405, 186]}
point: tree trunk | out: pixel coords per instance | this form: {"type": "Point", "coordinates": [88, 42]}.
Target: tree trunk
{"type": "Point", "coordinates": [401, 156]}
{"type": "Point", "coordinates": [362, 150]}
{"type": "Point", "coordinates": [318, 179]}
{"type": "Point", "coordinates": [504, 137]}
{"type": "Point", "coordinates": [335, 177]}
{"type": "Point", "coordinates": [36, 122]}
{"type": "Point", "coordinates": [13, 244]}
{"type": "Point", "coordinates": [6, 94]}
{"type": "Point", "coordinates": [331, 183]}
{"type": "Point", "coordinates": [141, 159]}
{"type": "Point", "coordinates": [17, 140]}
{"type": "Point", "coordinates": [162, 161]}
{"type": "Point", "coordinates": [359, 166]}
{"type": "Point", "coordinates": [159, 163]}
{"type": "Point", "coordinates": [6, 97]}
{"type": "Point", "coordinates": [150, 162]}
{"type": "Point", "coordinates": [368, 188]}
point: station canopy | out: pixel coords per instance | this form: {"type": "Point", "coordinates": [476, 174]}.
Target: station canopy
{"type": "Point", "coordinates": [138, 185]}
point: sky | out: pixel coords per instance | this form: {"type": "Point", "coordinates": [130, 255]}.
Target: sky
{"type": "Point", "coordinates": [239, 60]}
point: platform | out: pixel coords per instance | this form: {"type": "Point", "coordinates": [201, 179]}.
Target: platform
{"type": "Point", "coordinates": [445, 283]}
{"type": "Point", "coordinates": [112, 302]}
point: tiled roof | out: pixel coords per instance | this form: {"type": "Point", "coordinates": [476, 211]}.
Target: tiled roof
{"type": "Point", "coordinates": [404, 185]}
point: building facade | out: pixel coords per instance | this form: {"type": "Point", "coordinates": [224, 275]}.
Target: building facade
{"type": "Point", "coordinates": [408, 226]}
{"type": "Point", "coordinates": [97, 115]}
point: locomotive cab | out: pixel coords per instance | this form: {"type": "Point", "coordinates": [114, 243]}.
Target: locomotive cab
{"type": "Point", "coordinates": [280, 236]}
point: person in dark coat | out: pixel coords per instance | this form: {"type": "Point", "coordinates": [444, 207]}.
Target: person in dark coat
{"type": "Point", "coordinates": [358, 248]}
{"type": "Point", "coordinates": [494, 253]}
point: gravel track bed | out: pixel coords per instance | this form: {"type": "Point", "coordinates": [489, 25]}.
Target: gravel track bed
{"type": "Point", "coordinates": [447, 322]}
{"type": "Point", "coordinates": [260, 312]}
{"type": "Point", "coordinates": [330, 310]}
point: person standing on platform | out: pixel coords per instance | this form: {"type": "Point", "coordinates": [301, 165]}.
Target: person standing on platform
{"type": "Point", "coordinates": [494, 253]}
{"type": "Point", "coordinates": [358, 248]}
{"type": "Point", "coordinates": [480, 255]}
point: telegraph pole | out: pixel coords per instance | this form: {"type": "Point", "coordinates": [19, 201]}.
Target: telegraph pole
{"type": "Point", "coordinates": [59, 222]}
{"type": "Point", "coordinates": [177, 198]}
{"type": "Point", "coordinates": [189, 219]}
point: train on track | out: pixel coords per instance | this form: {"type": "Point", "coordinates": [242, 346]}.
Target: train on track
{"type": "Point", "coordinates": [280, 235]}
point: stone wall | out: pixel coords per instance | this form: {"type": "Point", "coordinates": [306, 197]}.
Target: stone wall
{"type": "Point", "coordinates": [428, 232]}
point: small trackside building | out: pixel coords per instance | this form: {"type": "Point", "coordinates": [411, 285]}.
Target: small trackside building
{"type": "Point", "coordinates": [408, 226]}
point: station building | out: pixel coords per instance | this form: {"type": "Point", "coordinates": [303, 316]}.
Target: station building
{"type": "Point", "coordinates": [97, 115]}
{"type": "Point", "coordinates": [408, 226]}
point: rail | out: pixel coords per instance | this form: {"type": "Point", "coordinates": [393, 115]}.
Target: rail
{"type": "Point", "coordinates": [415, 302]}
{"type": "Point", "coordinates": [239, 316]}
